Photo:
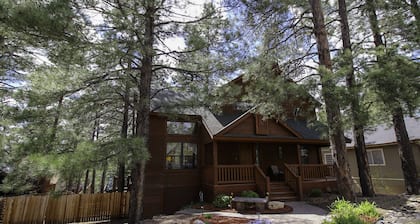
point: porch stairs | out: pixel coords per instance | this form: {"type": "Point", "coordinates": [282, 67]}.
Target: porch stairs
{"type": "Point", "coordinates": [279, 191]}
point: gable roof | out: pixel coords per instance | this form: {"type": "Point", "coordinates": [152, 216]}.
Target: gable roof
{"type": "Point", "coordinates": [385, 134]}
{"type": "Point", "coordinates": [302, 128]}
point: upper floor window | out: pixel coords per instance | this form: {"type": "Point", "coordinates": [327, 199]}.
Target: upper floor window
{"type": "Point", "coordinates": [376, 157]}
{"type": "Point", "coordinates": [180, 128]}
{"type": "Point", "coordinates": [181, 155]}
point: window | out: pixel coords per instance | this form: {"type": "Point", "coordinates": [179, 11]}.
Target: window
{"type": "Point", "coordinates": [180, 128]}
{"type": "Point", "coordinates": [304, 155]}
{"type": "Point", "coordinates": [181, 155]}
{"type": "Point", "coordinates": [328, 158]}
{"type": "Point", "coordinates": [376, 157]}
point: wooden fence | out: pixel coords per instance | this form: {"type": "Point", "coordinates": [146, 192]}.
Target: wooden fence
{"type": "Point", "coordinates": [64, 209]}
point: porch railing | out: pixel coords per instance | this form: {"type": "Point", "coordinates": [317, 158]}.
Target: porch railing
{"type": "Point", "coordinates": [262, 181]}
{"type": "Point", "coordinates": [313, 171]}
{"type": "Point", "coordinates": [238, 174]}
{"type": "Point", "coordinates": [293, 180]}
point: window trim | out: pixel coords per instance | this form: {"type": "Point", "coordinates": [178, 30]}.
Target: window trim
{"type": "Point", "coordinates": [382, 154]}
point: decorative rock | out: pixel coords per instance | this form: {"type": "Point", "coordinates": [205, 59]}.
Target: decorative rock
{"type": "Point", "coordinates": [198, 221]}
{"type": "Point", "coordinates": [275, 205]}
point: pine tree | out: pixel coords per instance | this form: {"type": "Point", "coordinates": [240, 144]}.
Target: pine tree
{"type": "Point", "coordinates": [402, 92]}
{"type": "Point", "coordinates": [358, 123]}
{"type": "Point", "coordinates": [332, 107]}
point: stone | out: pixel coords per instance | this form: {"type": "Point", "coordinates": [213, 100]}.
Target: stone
{"type": "Point", "coordinates": [198, 221]}
{"type": "Point", "coordinates": [275, 205]}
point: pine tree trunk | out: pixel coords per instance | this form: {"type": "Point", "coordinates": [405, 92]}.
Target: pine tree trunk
{"type": "Point", "coordinates": [142, 124]}
{"type": "Point", "coordinates": [358, 129]}
{"type": "Point", "coordinates": [79, 181]}
{"type": "Point", "coordinates": [103, 178]}
{"type": "Point", "coordinates": [133, 114]}
{"type": "Point", "coordinates": [124, 134]}
{"type": "Point", "coordinates": [86, 181]}
{"type": "Point", "coordinates": [55, 123]}
{"type": "Point", "coordinates": [332, 107]}
{"type": "Point", "coordinates": [92, 185]}
{"type": "Point", "coordinates": [406, 152]}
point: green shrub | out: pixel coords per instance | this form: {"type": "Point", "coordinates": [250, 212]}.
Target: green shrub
{"type": "Point", "coordinates": [222, 201]}
{"type": "Point", "coordinates": [249, 194]}
{"type": "Point", "coordinates": [344, 212]}
{"type": "Point", "coordinates": [315, 192]}
{"type": "Point", "coordinates": [368, 209]}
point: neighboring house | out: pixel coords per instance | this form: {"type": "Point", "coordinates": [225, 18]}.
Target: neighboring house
{"type": "Point", "coordinates": [230, 152]}
{"type": "Point", "coordinates": [383, 156]}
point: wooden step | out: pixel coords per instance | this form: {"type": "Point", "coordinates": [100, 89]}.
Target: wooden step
{"type": "Point", "coordinates": [281, 192]}
{"type": "Point", "coordinates": [285, 198]}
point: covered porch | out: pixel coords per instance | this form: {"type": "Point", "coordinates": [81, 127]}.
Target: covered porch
{"type": "Point", "coordinates": [231, 167]}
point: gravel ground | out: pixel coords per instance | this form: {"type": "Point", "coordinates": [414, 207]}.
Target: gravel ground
{"type": "Point", "coordinates": [396, 209]}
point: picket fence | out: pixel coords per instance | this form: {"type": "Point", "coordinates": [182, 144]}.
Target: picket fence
{"type": "Point", "coordinates": [51, 209]}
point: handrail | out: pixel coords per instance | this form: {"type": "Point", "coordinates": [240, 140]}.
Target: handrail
{"type": "Point", "coordinates": [293, 180]}
{"type": "Point", "coordinates": [262, 181]}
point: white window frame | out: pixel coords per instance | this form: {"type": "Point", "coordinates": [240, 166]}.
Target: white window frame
{"type": "Point", "coordinates": [382, 154]}
{"type": "Point", "coordinates": [325, 158]}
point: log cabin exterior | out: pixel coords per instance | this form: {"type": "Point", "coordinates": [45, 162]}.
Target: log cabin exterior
{"type": "Point", "coordinates": [227, 153]}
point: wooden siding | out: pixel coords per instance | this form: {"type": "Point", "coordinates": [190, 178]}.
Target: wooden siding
{"type": "Point", "coordinates": [169, 190]}
{"type": "Point", "coordinates": [65, 208]}
{"type": "Point", "coordinates": [247, 126]}
{"type": "Point", "coordinates": [235, 153]}
{"type": "Point", "coordinates": [387, 179]}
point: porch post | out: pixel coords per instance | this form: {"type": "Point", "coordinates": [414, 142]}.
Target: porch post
{"type": "Point", "coordinates": [299, 160]}
{"type": "Point", "coordinates": [215, 162]}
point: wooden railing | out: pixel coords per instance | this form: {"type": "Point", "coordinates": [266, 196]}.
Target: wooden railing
{"type": "Point", "coordinates": [230, 174]}
{"type": "Point", "coordinates": [312, 171]}
{"type": "Point", "coordinates": [262, 181]}
{"type": "Point", "coordinates": [293, 180]}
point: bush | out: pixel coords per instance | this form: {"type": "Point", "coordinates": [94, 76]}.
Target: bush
{"type": "Point", "coordinates": [343, 212]}
{"type": "Point", "coordinates": [222, 201]}
{"type": "Point", "coordinates": [249, 194]}
{"type": "Point", "coordinates": [315, 193]}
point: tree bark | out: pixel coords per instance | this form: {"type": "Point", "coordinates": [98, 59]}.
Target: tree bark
{"type": "Point", "coordinates": [143, 111]}
{"type": "Point", "coordinates": [103, 178]}
{"type": "Point", "coordinates": [332, 107]}
{"type": "Point", "coordinates": [124, 134]}
{"type": "Point", "coordinates": [55, 122]}
{"type": "Point", "coordinates": [86, 182]}
{"type": "Point", "coordinates": [79, 182]}
{"type": "Point", "coordinates": [358, 128]}
{"type": "Point", "coordinates": [92, 185]}
{"type": "Point", "coordinates": [405, 151]}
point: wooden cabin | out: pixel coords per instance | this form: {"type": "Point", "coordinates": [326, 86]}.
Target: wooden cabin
{"type": "Point", "coordinates": [230, 152]}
